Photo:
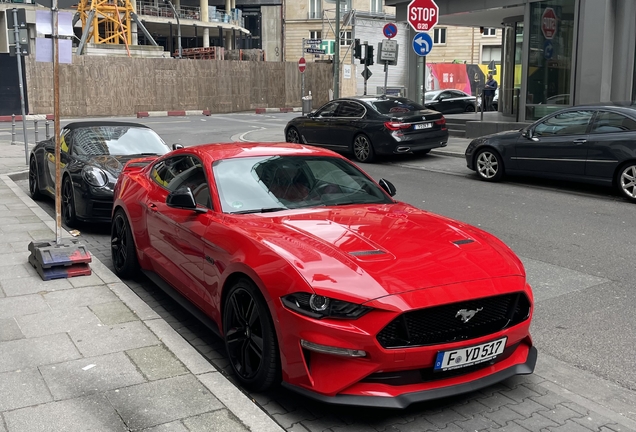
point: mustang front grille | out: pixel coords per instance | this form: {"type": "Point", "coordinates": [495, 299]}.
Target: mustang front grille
{"type": "Point", "coordinates": [455, 322]}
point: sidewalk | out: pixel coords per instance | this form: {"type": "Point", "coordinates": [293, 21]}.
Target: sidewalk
{"type": "Point", "coordinates": [86, 353]}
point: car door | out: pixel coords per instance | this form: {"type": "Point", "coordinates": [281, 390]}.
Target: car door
{"type": "Point", "coordinates": [345, 125]}
{"type": "Point", "coordinates": [314, 127]}
{"type": "Point", "coordinates": [556, 145]}
{"type": "Point", "coordinates": [176, 251]}
{"type": "Point", "coordinates": [612, 139]}
{"type": "Point", "coordinates": [444, 103]}
{"type": "Point", "coordinates": [457, 102]}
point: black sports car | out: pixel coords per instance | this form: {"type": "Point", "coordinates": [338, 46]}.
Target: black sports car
{"type": "Point", "coordinates": [370, 125]}
{"type": "Point", "coordinates": [450, 101]}
{"type": "Point", "coordinates": [590, 143]}
{"type": "Point", "coordinates": [92, 156]}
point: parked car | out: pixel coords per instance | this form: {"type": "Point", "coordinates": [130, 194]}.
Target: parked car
{"type": "Point", "coordinates": [315, 276]}
{"type": "Point", "coordinates": [450, 101]}
{"type": "Point", "coordinates": [591, 143]}
{"type": "Point", "coordinates": [92, 156]}
{"type": "Point", "coordinates": [370, 125]}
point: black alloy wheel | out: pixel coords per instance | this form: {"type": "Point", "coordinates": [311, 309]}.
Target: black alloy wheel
{"type": "Point", "coordinates": [470, 108]}
{"type": "Point", "coordinates": [363, 149]}
{"type": "Point", "coordinates": [68, 203]}
{"type": "Point", "coordinates": [292, 135]}
{"type": "Point", "coordinates": [122, 246]}
{"type": "Point", "coordinates": [627, 181]}
{"type": "Point", "coordinates": [250, 338]}
{"type": "Point", "coordinates": [489, 165]}
{"type": "Point", "coordinates": [34, 187]}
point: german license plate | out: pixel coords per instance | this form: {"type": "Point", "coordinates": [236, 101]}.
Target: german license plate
{"type": "Point", "coordinates": [423, 126]}
{"type": "Point", "coordinates": [468, 356]}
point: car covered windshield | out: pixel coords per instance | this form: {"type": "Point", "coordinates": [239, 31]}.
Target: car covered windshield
{"type": "Point", "coordinates": [273, 183]}
{"type": "Point", "coordinates": [396, 105]}
{"type": "Point", "coordinates": [117, 141]}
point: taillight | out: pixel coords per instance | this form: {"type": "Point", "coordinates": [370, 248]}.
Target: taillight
{"type": "Point", "coordinates": [396, 125]}
{"type": "Point", "coordinates": [441, 122]}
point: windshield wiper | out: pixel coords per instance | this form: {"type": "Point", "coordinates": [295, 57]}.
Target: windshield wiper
{"type": "Point", "coordinates": [261, 210]}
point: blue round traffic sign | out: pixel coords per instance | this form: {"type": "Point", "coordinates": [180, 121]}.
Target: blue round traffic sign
{"type": "Point", "coordinates": [422, 44]}
{"type": "Point", "coordinates": [390, 30]}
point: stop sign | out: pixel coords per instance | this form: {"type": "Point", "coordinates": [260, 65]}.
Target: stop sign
{"type": "Point", "coordinates": [302, 65]}
{"type": "Point", "coordinates": [549, 23]}
{"type": "Point", "coordinates": [423, 15]}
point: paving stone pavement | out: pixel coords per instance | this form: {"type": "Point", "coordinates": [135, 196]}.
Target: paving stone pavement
{"type": "Point", "coordinates": [538, 402]}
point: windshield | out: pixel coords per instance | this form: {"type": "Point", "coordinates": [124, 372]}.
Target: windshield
{"type": "Point", "coordinates": [273, 183]}
{"type": "Point", "coordinates": [117, 141]}
{"type": "Point", "coordinates": [396, 105]}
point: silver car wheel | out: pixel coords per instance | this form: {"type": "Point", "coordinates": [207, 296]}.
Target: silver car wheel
{"type": "Point", "coordinates": [487, 165]}
{"type": "Point", "coordinates": [628, 181]}
{"type": "Point", "coordinates": [361, 148]}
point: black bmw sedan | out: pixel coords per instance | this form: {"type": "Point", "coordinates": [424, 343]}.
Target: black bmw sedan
{"type": "Point", "coordinates": [451, 101]}
{"type": "Point", "coordinates": [370, 125]}
{"type": "Point", "coordinates": [92, 156]}
{"type": "Point", "coordinates": [588, 143]}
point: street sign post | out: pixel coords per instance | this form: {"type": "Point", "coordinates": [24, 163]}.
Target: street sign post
{"type": "Point", "coordinates": [549, 23]}
{"type": "Point", "coordinates": [423, 15]}
{"type": "Point", "coordinates": [17, 21]}
{"type": "Point", "coordinates": [388, 54]}
{"type": "Point", "coordinates": [422, 44]}
{"type": "Point", "coordinates": [390, 30]}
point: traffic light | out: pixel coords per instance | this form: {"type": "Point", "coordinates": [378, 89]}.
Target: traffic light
{"type": "Point", "coordinates": [369, 57]}
{"type": "Point", "coordinates": [357, 49]}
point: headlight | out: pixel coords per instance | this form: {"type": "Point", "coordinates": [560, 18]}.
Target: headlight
{"type": "Point", "coordinates": [316, 306]}
{"type": "Point", "coordinates": [94, 176]}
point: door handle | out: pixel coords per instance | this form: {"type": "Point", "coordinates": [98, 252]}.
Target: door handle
{"type": "Point", "coordinates": [580, 141]}
{"type": "Point", "coordinates": [152, 207]}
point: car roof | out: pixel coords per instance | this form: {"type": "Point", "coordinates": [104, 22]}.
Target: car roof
{"type": "Point", "coordinates": [242, 149]}
{"type": "Point", "coordinates": [85, 124]}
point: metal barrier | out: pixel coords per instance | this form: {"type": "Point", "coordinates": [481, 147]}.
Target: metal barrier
{"type": "Point", "coordinates": [47, 130]}
{"type": "Point", "coordinates": [35, 126]}
{"type": "Point", "coordinates": [13, 129]}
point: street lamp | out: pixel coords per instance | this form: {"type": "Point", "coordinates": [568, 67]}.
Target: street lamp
{"type": "Point", "coordinates": [169, 3]}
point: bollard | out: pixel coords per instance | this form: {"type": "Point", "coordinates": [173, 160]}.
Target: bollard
{"type": "Point", "coordinates": [47, 129]}
{"type": "Point", "coordinates": [12, 129]}
{"type": "Point", "coordinates": [35, 126]}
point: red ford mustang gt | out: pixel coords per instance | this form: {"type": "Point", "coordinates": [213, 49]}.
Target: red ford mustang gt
{"type": "Point", "coordinates": [316, 277]}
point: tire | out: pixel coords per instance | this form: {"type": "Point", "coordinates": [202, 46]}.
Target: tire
{"type": "Point", "coordinates": [470, 108]}
{"type": "Point", "coordinates": [34, 184]}
{"type": "Point", "coordinates": [489, 165]}
{"type": "Point", "coordinates": [363, 149]}
{"type": "Point", "coordinates": [250, 338]}
{"type": "Point", "coordinates": [292, 135]}
{"type": "Point", "coordinates": [122, 246]}
{"type": "Point", "coordinates": [69, 217]}
{"type": "Point", "coordinates": [626, 181]}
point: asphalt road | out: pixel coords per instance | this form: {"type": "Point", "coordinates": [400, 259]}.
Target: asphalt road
{"type": "Point", "coordinates": [577, 243]}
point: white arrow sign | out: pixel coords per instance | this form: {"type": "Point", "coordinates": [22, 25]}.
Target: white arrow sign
{"type": "Point", "coordinates": [420, 41]}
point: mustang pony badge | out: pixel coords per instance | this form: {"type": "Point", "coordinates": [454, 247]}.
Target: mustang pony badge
{"type": "Point", "coordinates": [466, 315]}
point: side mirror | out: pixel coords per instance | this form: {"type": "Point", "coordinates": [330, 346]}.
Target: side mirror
{"type": "Point", "coordinates": [182, 198]}
{"type": "Point", "coordinates": [388, 187]}
{"type": "Point", "coordinates": [311, 114]}
{"type": "Point", "coordinates": [527, 133]}
{"type": "Point", "coordinates": [176, 146]}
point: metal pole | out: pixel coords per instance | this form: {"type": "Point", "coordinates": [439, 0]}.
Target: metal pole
{"type": "Point", "coordinates": [483, 103]}
{"type": "Point", "coordinates": [302, 78]}
{"type": "Point", "coordinates": [12, 129]}
{"type": "Point", "coordinates": [18, 56]}
{"type": "Point", "coordinates": [336, 55]}
{"type": "Point", "coordinates": [56, 126]}
{"type": "Point", "coordinates": [366, 62]}
{"type": "Point", "coordinates": [35, 126]}
{"type": "Point", "coordinates": [48, 135]}
{"type": "Point", "coordinates": [386, 75]}
{"type": "Point", "coordinates": [419, 79]}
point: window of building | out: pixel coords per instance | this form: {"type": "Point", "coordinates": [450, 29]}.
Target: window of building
{"type": "Point", "coordinates": [345, 5]}
{"type": "Point", "coordinates": [315, 34]}
{"type": "Point", "coordinates": [376, 6]}
{"type": "Point", "coordinates": [491, 53]}
{"type": "Point", "coordinates": [345, 38]}
{"type": "Point", "coordinates": [439, 36]}
{"type": "Point", "coordinates": [490, 31]}
{"type": "Point", "coordinates": [315, 9]}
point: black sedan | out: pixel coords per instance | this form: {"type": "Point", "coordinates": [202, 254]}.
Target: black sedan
{"type": "Point", "coordinates": [92, 156]}
{"type": "Point", "coordinates": [591, 143]}
{"type": "Point", "coordinates": [370, 125]}
{"type": "Point", "coordinates": [450, 101]}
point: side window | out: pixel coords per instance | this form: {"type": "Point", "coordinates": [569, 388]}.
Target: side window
{"type": "Point", "coordinates": [456, 94]}
{"type": "Point", "coordinates": [183, 171]}
{"type": "Point", "coordinates": [350, 109]}
{"type": "Point", "coordinates": [608, 122]}
{"type": "Point", "coordinates": [328, 110]}
{"type": "Point", "coordinates": [567, 123]}
{"type": "Point", "coordinates": [65, 141]}
{"type": "Point", "coordinates": [445, 95]}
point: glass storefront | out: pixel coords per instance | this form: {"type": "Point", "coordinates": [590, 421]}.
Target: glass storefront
{"type": "Point", "coordinates": [550, 56]}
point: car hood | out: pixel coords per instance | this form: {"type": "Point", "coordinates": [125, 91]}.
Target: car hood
{"type": "Point", "coordinates": [367, 252]}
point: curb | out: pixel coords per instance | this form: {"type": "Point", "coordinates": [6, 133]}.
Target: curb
{"type": "Point", "coordinates": [277, 110]}
{"type": "Point", "coordinates": [28, 117]}
{"type": "Point", "coordinates": [178, 113]}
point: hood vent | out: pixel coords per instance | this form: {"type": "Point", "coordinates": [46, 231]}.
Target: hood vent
{"type": "Point", "coordinates": [369, 252]}
{"type": "Point", "coordinates": [464, 241]}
